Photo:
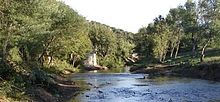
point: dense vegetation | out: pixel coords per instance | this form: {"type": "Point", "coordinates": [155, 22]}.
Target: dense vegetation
{"type": "Point", "coordinates": [187, 31]}
{"type": "Point", "coordinates": [41, 37]}
{"type": "Point", "coordinates": [114, 46]}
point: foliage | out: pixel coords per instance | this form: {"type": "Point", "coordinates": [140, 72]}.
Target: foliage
{"type": "Point", "coordinates": [191, 27]}
{"type": "Point", "coordinates": [114, 46]}
{"type": "Point", "coordinates": [38, 37]}
{"type": "Point", "coordinates": [36, 32]}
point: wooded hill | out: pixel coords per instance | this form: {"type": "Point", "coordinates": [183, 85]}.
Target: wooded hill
{"type": "Point", "coordinates": [37, 38]}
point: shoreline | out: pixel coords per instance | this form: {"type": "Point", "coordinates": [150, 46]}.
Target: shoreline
{"type": "Point", "coordinates": [61, 90]}
{"type": "Point", "coordinates": [201, 71]}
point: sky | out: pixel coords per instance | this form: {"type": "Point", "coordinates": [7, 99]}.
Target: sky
{"type": "Point", "coordinates": [129, 15]}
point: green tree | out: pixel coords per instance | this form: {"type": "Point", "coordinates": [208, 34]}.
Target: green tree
{"type": "Point", "coordinates": [104, 41]}
{"type": "Point", "coordinates": [174, 21]}
{"type": "Point", "coordinates": [190, 24]}
{"type": "Point", "coordinates": [161, 39]}
{"type": "Point", "coordinates": [153, 41]}
{"type": "Point", "coordinates": [208, 15]}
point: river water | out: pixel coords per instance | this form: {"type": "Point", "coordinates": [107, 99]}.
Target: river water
{"type": "Point", "coordinates": [125, 87]}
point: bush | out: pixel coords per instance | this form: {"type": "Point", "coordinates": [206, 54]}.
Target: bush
{"type": "Point", "coordinates": [59, 67]}
{"type": "Point", "coordinates": [9, 89]}
{"type": "Point", "coordinates": [112, 62]}
{"type": "Point", "coordinates": [14, 55]}
{"type": "Point", "coordinates": [38, 76]}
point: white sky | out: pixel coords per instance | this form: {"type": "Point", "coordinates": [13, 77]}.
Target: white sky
{"type": "Point", "coordinates": [129, 15]}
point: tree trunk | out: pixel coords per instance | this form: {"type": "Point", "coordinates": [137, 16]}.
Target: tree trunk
{"type": "Point", "coordinates": [73, 58]}
{"type": "Point", "coordinates": [203, 51]}
{"type": "Point", "coordinates": [171, 53]}
{"type": "Point", "coordinates": [23, 54]}
{"type": "Point", "coordinates": [164, 56]}
{"type": "Point", "coordinates": [50, 60]}
{"type": "Point", "coordinates": [4, 51]}
{"type": "Point", "coordinates": [72, 62]}
{"type": "Point", "coordinates": [177, 49]}
{"type": "Point", "coordinates": [161, 59]}
{"type": "Point", "coordinates": [193, 46]}
{"type": "Point", "coordinates": [45, 49]}
{"type": "Point", "coordinates": [193, 49]}
{"type": "Point", "coordinates": [173, 44]}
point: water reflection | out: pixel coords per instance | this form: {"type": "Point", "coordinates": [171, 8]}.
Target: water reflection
{"type": "Point", "coordinates": [134, 88]}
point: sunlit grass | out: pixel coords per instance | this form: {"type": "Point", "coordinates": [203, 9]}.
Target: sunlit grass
{"type": "Point", "coordinates": [212, 59]}
{"type": "Point", "coordinates": [211, 56]}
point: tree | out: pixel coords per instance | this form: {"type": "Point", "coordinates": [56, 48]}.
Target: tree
{"type": "Point", "coordinates": [103, 39]}
{"type": "Point", "coordinates": [125, 44]}
{"type": "Point", "coordinates": [174, 21]}
{"type": "Point", "coordinates": [208, 14]}
{"type": "Point", "coordinates": [154, 40]}
{"type": "Point", "coordinates": [190, 24]}
{"type": "Point", "coordinates": [161, 39]}
{"type": "Point", "coordinates": [8, 25]}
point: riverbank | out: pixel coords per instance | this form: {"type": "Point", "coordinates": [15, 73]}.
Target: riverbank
{"type": "Point", "coordinates": [57, 89]}
{"type": "Point", "coordinates": [60, 90]}
{"type": "Point", "coordinates": [201, 71]}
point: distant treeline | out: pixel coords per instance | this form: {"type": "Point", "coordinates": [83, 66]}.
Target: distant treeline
{"type": "Point", "coordinates": [193, 27]}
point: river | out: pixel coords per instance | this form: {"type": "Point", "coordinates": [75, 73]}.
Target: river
{"type": "Point", "coordinates": [125, 87]}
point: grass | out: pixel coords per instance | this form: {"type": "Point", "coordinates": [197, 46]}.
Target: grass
{"type": "Point", "coordinates": [214, 59]}
{"type": "Point", "coordinates": [211, 56]}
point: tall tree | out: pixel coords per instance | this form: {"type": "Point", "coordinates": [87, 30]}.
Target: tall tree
{"type": "Point", "coordinates": [174, 21]}
{"type": "Point", "coordinates": [190, 24]}
{"type": "Point", "coordinates": [208, 14]}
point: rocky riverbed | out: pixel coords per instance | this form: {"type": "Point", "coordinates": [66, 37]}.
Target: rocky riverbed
{"type": "Point", "coordinates": [125, 87]}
